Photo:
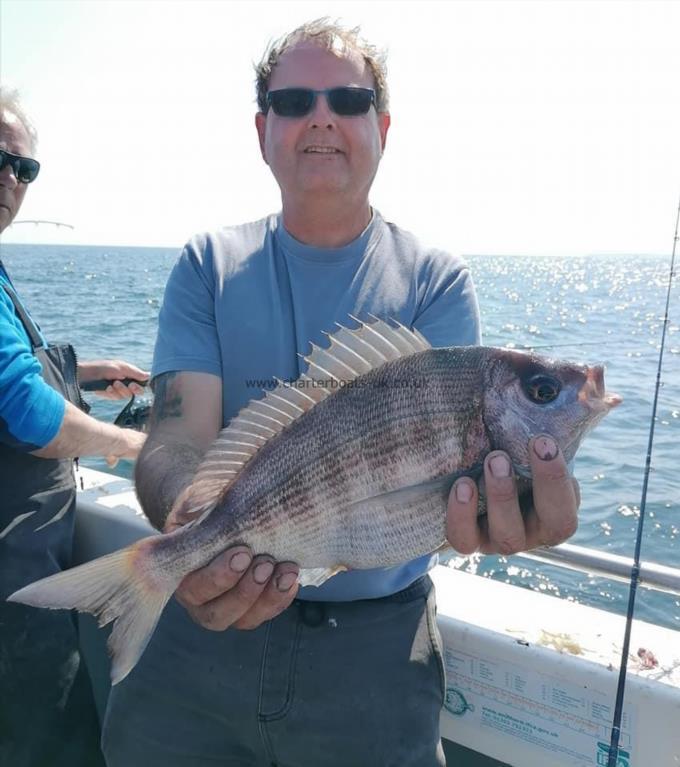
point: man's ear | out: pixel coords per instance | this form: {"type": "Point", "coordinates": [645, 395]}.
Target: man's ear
{"type": "Point", "coordinates": [261, 126]}
{"type": "Point", "coordinates": [384, 121]}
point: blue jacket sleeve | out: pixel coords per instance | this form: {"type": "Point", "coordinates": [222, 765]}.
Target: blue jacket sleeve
{"type": "Point", "coordinates": [31, 411]}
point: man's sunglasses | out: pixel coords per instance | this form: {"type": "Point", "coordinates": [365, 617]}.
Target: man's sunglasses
{"type": "Point", "coordinates": [298, 102]}
{"type": "Point", "coordinates": [25, 168]}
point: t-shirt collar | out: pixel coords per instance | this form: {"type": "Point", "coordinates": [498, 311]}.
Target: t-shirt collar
{"type": "Point", "coordinates": [352, 250]}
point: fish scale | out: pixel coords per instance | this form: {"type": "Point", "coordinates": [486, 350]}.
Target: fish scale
{"type": "Point", "coordinates": [350, 467]}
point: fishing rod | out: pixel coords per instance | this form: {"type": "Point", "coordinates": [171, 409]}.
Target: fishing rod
{"type": "Point", "coordinates": [635, 570]}
{"type": "Point", "coordinates": [571, 344]}
{"type": "Point", "coordinates": [42, 221]}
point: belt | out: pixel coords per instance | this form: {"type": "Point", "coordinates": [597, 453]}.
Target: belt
{"type": "Point", "coordinates": [313, 613]}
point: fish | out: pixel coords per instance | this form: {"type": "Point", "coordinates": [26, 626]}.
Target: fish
{"type": "Point", "coordinates": [134, 416]}
{"type": "Point", "coordinates": [348, 467]}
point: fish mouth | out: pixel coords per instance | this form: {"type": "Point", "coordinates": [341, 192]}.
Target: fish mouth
{"type": "Point", "coordinates": [593, 394]}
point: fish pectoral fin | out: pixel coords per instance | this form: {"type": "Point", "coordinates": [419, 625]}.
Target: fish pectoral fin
{"type": "Point", "coordinates": [315, 576]}
{"type": "Point", "coordinates": [406, 496]}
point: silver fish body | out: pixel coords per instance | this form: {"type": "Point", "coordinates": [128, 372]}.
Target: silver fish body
{"type": "Point", "coordinates": [361, 480]}
{"type": "Point", "coordinates": [342, 472]}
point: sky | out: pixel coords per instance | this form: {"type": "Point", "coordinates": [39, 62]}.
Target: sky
{"type": "Point", "coordinates": [538, 128]}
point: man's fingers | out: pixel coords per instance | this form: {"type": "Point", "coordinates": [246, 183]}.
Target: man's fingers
{"type": "Point", "coordinates": [136, 389]}
{"type": "Point", "coordinates": [211, 581]}
{"type": "Point", "coordinates": [222, 612]}
{"type": "Point", "coordinates": [462, 528]}
{"type": "Point", "coordinates": [118, 390]}
{"type": "Point", "coordinates": [115, 390]}
{"type": "Point", "coordinates": [121, 391]}
{"type": "Point", "coordinates": [258, 594]}
{"type": "Point", "coordinates": [556, 495]}
{"type": "Point", "coordinates": [506, 532]}
{"type": "Point", "coordinates": [132, 371]}
{"type": "Point", "coordinates": [277, 595]}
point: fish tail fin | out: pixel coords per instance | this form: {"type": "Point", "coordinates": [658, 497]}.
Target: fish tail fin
{"type": "Point", "coordinates": [128, 587]}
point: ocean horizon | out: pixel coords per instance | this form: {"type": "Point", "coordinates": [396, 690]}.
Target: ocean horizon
{"type": "Point", "coordinates": [178, 247]}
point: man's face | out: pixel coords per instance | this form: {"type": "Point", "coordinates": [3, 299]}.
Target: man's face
{"type": "Point", "coordinates": [297, 148]}
{"type": "Point", "coordinates": [14, 139]}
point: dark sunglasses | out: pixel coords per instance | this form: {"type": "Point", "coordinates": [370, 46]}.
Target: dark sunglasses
{"type": "Point", "coordinates": [25, 168]}
{"type": "Point", "coordinates": [298, 102]}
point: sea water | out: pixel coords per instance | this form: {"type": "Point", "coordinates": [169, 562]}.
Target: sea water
{"type": "Point", "coordinates": [105, 300]}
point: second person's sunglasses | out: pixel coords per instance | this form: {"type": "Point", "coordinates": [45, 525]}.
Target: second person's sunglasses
{"type": "Point", "coordinates": [345, 101]}
{"type": "Point", "coordinates": [25, 168]}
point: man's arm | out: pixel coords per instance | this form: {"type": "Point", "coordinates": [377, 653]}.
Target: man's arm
{"type": "Point", "coordinates": [236, 588]}
{"type": "Point", "coordinates": [81, 435]}
{"type": "Point", "coordinates": [185, 420]}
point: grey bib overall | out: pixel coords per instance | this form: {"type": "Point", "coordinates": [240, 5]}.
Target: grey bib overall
{"type": "Point", "coordinates": [47, 712]}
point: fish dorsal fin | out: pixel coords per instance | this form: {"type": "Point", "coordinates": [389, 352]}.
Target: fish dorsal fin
{"type": "Point", "coordinates": [351, 353]}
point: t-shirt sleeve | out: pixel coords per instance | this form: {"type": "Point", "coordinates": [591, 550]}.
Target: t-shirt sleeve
{"type": "Point", "coordinates": [187, 335]}
{"type": "Point", "coordinates": [31, 411]}
{"type": "Point", "coordinates": [448, 312]}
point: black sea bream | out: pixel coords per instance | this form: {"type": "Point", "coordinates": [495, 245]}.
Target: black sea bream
{"type": "Point", "coordinates": [347, 468]}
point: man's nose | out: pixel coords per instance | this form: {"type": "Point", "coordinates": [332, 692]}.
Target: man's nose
{"type": "Point", "coordinates": [8, 177]}
{"type": "Point", "coordinates": [321, 116]}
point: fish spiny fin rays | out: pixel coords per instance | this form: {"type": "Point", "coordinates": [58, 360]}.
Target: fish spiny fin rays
{"type": "Point", "coordinates": [351, 353]}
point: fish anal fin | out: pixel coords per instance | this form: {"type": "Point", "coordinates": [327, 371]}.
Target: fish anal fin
{"type": "Point", "coordinates": [315, 576]}
{"type": "Point", "coordinates": [444, 547]}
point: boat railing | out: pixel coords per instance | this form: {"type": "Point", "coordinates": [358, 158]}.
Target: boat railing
{"type": "Point", "coordinates": [612, 566]}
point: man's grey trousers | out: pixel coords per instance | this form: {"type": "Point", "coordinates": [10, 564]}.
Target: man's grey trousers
{"type": "Point", "coordinates": [325, 684]}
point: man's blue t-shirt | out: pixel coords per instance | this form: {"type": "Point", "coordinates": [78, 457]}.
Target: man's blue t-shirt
{"type": "Point", "coordinates": [31, 411]}
{"type": "Point", "coordinates": [243, 302]}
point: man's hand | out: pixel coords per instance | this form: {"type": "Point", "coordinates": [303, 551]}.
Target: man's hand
{"type": "Point", "coordinates": [235, 589]}
{"type": "Point", "coordinates": [127, 444]}
{"type": "Point", "coordinates": [114, 371]}
{"type": "Point", "coordinates": [81, 435]}
{"type": "Point", "coordinates": [504, 529]}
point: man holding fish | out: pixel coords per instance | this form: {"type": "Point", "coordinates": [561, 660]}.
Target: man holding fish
{"type": "Point", "coordinates": [346, 479]}
{"type": "Point", "coordinates": [350, 673]}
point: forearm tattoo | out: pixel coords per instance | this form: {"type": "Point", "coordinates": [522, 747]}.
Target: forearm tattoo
{"type": "Point", "coordinates": [167, 401]}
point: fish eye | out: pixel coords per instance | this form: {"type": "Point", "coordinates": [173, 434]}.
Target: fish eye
{"type": "Point", "coordinates": [542, 389]}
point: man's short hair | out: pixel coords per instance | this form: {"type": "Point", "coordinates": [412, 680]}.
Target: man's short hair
{"type": "Point", "coordinates": [9, 102]}
{"type": "Point", "coordinates": [333, 37]}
